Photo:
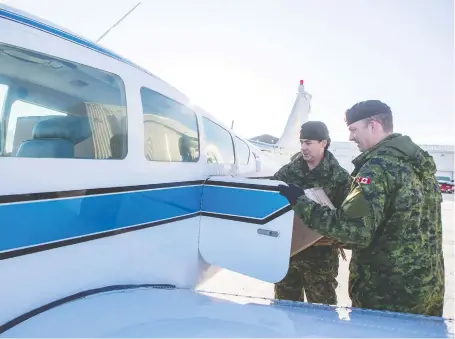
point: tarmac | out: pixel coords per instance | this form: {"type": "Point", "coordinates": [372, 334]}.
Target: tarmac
{"type": "Point", "coordinates": [230, 282]}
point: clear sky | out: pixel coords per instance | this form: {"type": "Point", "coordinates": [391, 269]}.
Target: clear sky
{"type": "Point", "coordinates": [242, 59]}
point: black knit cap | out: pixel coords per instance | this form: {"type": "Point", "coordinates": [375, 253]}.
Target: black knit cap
{"type": "Point", "coordinates": [314, 130]}
{"type": "Point", "coordinates": [366, 109]}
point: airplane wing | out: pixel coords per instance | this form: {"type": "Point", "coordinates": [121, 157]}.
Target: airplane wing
{"type": "Point", "coordinates": [170, 312]}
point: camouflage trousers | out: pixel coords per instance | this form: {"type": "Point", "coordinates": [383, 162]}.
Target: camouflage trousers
{"type": "Point", "coordinates": [314, 271]}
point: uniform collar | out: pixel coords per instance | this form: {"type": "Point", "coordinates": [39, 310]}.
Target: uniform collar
{"type": "Point", "coordinates": [364, 156]}
{"type": "Point", "coordinates": [323, 168]}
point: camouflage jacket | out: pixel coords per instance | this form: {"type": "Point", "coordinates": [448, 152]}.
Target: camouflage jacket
{"type": "Point", "coordinates": [392, 220]}
{"type": "Point", "coordinates": [328, 174]}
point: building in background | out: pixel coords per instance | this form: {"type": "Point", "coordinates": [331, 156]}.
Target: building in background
{"type": "Point", "coordinates": [346, 151]}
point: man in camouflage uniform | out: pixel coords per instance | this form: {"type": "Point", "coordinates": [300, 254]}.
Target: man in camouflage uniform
{"type": "Point", "coordinates": [315, 269]}
{"type": "Point", "coordinates": [391, 218]}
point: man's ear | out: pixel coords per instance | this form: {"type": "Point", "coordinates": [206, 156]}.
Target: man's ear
{"type": "Point", "coordinates": [324, 143]}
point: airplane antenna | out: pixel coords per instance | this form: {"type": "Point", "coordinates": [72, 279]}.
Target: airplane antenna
{"type": "Point", "coordinates": [121, 19]}
{"type": "Point", "coordinates": [232, 124]}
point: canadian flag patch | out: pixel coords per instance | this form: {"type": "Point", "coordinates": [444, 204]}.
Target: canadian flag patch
{"type": "Point", "coordinates": [363, 180]}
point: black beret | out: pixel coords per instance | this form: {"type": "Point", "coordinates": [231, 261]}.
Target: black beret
{"type": "Point", "coordinates": [366, 109]}
{"type": "Point", "coordinates": [314, 130]}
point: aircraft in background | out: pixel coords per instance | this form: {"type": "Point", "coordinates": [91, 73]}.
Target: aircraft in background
{"type": "Point", "coordinates": [287, 145]}
{"type": "Point", "coordinates": [119, 199]}
{"type": "Point", "coordinates": [299, 114]}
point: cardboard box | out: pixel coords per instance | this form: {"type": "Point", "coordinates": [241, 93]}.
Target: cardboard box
{"type": "Point", "coordinates": [302, 236]}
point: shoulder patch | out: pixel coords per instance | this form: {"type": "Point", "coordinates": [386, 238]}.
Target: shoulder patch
{"type": "Point", "coordinates": [363, 180]}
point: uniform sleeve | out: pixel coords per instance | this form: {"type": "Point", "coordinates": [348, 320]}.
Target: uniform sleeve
{"type": "Point", "coordinates": [344, 184]}
{"type": "Point", "coordinates": [356, 220]}
{"type": "Point", "coordinates": [284, 171]}
{"type": "Point", "coordinates": [280, 174]}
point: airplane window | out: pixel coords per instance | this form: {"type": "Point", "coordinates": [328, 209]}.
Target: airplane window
{"type": "Point", "coordinates": [170, 129]}
{"type": "Point", "coordinates": [3, 92]}
{"type": "Point", "coordinates": [243, 151]}
{"type": "Point", "coordinates": [219, 148]}
{"type": "Point", "coordinates": [61, 109]}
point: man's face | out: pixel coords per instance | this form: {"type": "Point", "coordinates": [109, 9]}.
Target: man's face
{"type": "Point", "coordinates": [361, 133]}
{"type": "Point", "coordinates": [312, 149]}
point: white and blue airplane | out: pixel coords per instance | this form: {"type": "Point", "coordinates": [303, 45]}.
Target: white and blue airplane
{"type": "Point", "coordinates": [118, 198]}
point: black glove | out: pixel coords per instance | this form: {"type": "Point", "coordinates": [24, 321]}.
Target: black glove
{"type": "Point", "coordinates": [291, 192]}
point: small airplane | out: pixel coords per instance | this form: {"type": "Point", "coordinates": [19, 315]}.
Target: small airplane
{"type": "Point", "coordinates": [119, 198]}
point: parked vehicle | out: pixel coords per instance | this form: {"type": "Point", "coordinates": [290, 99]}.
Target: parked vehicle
{"type": "Point", "coordinates": [446, 184]}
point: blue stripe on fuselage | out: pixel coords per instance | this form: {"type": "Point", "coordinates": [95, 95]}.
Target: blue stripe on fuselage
{"type": "Point", "coordinates": [241, 202]}
{"type": "Point", "coordinates": [36, 222]}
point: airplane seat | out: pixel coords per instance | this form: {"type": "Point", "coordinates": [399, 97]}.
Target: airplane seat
{"type": "Point", "coordinates": [116, 145]}
{"type": "Point", "coordinates": [56, 137]}
{"type": "Point", "coordinates": [184, 143]}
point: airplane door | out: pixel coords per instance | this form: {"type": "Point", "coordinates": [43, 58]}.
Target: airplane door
{"type": "Point", "coordinates": [246, 226]}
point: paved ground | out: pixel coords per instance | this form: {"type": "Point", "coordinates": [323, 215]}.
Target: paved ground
{"type": "Point", "coordinates": [230, 282]}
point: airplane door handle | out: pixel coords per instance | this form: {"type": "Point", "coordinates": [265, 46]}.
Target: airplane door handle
{"type": "Point", "coordinates": [269, 233]}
